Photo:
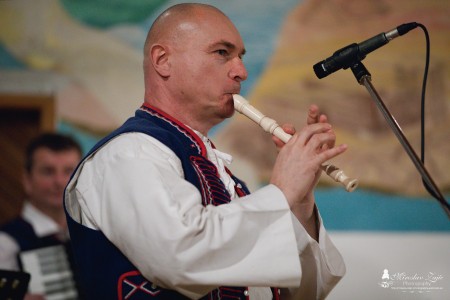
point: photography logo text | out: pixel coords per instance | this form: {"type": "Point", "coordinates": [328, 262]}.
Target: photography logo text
{"type": "Point", "coordinates": [411, 283]}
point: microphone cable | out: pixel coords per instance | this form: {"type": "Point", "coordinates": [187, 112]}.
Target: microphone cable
{"type": "Point", "coordinates": [440, 198]}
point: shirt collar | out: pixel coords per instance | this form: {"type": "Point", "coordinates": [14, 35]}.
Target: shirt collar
{"type": "Point", "coordinates": [41, 223]}
{"type": "Point", "coordinates": [225, 157]}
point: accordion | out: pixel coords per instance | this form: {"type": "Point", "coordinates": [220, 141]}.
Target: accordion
{"type": "Point", "coordinates": [51, 272]}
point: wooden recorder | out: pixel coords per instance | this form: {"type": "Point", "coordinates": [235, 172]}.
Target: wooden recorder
{"type": "Point", "coordinates": [269, 125]}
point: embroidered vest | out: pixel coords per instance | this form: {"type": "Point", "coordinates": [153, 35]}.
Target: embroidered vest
{"type": "Point", "coordinates": [119, 278]}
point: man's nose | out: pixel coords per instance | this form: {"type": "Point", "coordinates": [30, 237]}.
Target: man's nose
{"type": "Point", "coordinates": [238, 71]}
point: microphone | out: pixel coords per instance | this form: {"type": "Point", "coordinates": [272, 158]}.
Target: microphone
{"type": "Point", "coordinates": [353, 53]}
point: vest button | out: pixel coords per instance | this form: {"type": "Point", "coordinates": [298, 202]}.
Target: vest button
{"type": "Point", "coordinates": [246, 293]}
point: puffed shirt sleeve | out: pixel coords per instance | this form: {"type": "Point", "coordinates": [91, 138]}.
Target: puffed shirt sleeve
{"type": "Point", "coordinates": [134, 191]}
{"type": "Point", "coordinates": [322, 266]}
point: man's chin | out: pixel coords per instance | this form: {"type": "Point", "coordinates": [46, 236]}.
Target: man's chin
{"type": "Point", "coordinates": [229, 109]}
{"type": "Point", "coordinates": [56, 203]}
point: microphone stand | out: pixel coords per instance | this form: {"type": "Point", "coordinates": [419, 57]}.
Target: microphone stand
{"type": "Point", "coordinates": [363, 77]}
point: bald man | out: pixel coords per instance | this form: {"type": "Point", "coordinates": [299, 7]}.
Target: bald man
{"type": "Point", "coordinates": [153, 210]}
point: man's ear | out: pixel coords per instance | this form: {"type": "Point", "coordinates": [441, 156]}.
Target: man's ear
{"type": "Point", "coordinates": [160, 60]}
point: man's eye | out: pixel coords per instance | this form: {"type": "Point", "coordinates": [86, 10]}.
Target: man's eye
{"type": "Point", "coordinates": [222, 52]}
{"type": "Point", "coordinates": [47, 171]}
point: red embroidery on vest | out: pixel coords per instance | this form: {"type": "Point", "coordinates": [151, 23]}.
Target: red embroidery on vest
{"type": "Point", "coordinates": [212, 188]}
{"type": "Point", "coordinates": [186, 131]}
{"type": "Point", "coordinates": [133, 284]}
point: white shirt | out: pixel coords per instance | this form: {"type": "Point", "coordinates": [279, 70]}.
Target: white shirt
{"type": "Point", "coordinates": [42, 226]}
{"type": "Point", "coordinates": [134, 191]}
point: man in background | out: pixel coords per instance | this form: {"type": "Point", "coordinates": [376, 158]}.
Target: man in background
{"type": "Point", "coordinates": [50, 160]}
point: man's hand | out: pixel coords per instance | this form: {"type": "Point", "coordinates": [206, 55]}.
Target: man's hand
{"type": "Point", "coordinates": [297, 168]}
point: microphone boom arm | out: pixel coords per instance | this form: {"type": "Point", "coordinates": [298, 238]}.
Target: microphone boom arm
{"type": "Point", "coordinates": [363, 77]}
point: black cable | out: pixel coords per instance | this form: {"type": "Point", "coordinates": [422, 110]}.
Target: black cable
{"type": "Point", "coordinates": [433, 193]}
{"type": "Point", "coordinates": [422, 104]}
{"type": "Point", "coordinates": [424, 87]}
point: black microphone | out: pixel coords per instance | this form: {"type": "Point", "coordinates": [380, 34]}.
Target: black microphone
{"type": "Point", "coordinates": [353, 53]}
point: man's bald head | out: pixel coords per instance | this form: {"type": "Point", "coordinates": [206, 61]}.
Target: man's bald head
{"type": "Point", "coordinates": [166, 27]}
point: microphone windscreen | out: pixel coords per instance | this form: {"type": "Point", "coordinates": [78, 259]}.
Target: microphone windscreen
{"type": "Point", "coordinates": [318, 69]}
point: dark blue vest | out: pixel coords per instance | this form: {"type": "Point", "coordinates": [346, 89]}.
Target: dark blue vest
{"type": "Point", "coordinates": [105, 272]}
{"type": "Point", "coordinates": [23, 233]}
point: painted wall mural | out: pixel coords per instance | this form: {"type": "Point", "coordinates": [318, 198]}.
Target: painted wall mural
{"type": "Point", "coordinates": [88, 53]}
{"type": "Point", "coordinates": [312, 31]}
